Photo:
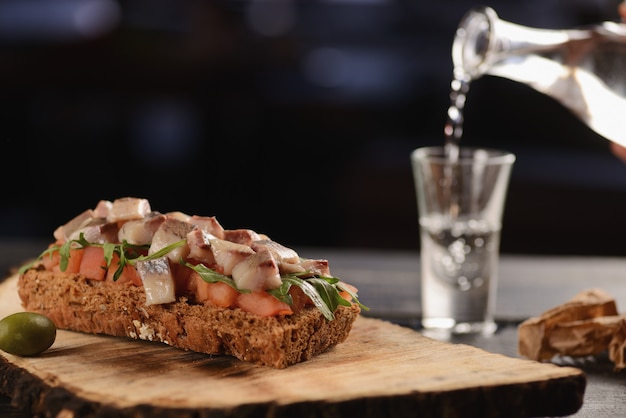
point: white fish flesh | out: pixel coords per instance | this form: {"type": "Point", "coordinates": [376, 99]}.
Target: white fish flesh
{"type": "Point", "coordinates": [141, 231]}
{"type": "Point", "coordinates": [128, 208]}
{"type": "Point", "coordinates": [257, 272]}
{"type": "Point", "coordinates": [228, 254]}
{"type": "Point", "coordinates": [199, 242]}
{"type": "Point", "coordinates": [170, 232]}
{"type": "Point", "coordinates": [158, 281]}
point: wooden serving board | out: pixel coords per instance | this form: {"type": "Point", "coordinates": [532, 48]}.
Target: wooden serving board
{"type": "Point", "coordinates": [381, 370]}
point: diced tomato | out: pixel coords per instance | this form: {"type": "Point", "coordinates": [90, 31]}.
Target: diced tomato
{"type": "Point", "coordinates": [51, 261]}
{"type": "Point", "coordinates": [345, 294]}
{"type": "Point", "coordinates": [192, 283]}
{"type": "Point", "coordinates": [217, 293]}
{"type": "Point", "coordinates": [129, 273]}
{"type": "Point", "coordinates": [74, 261]}
{"type": "Point", "coordinates": [93, 264]}
{"type": "Point", "coordinates": [263, 304]}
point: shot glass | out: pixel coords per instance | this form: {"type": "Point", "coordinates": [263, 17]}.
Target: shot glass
{"type": "Point", "coordinates": [460, 206]}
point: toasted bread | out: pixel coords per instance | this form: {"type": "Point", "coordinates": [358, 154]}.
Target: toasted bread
{"type": "Point", "coordinates": [74, 302]}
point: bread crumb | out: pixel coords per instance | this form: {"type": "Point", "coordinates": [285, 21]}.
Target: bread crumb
{"type": "Point", "coordinates": [145, 332]}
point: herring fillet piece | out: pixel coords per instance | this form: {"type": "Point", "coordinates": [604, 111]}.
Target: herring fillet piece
{"type": "Point", "coordinates": [208, 224]}
{"type": "Point", "coordinates": [316, 266]}
{"type": "Point", "coordinates": [228, 254]}
{"type": "Point", "coordinates": [170, 231]}
{"type": "Point", "coordinates": [281, 253]}
{"type": "Point", "coordinates": [199, 242]}
{"type": "Point", "coordinates": [157, 279]}
{"type": "Point", "coordinates": [102, 209]}
{"type": "Point", "coordinates": [66, 231]}
{"type": "Point", "coordinates": [141, 231]}
{"type": "Point", "coordinates": [242, 236]}
{"type": "Point", "coordinates": [97, 230]}
{"type": "Point", "coordinates": [128, 208]}
{"type": "Point", "coordinates": [257, 272]}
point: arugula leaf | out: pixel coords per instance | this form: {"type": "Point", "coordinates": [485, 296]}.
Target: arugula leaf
{"type": "Point", "coordinates": [109, 250]}
{"type": "Point", "coordinates": [64, 252]}
{"type": "Point", "coordinates": [282, 292]}
{"type": "Point", "coordinates": [353, 295]}
{"type": "Point", "coordinates": [325, 305]}
{"type": "Point", "coordinates": [323, 292]}
{"type": "Point", "coordinates": [158, 254]}
{"type": "Point", "coordinates": [212, 276]}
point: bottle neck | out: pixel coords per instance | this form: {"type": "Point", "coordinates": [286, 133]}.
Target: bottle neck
{"type": "Point", "coordinates": [483, 41]}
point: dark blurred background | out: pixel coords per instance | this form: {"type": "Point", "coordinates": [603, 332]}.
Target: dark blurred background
{"type": "Point", "coordinates": [291, 118]}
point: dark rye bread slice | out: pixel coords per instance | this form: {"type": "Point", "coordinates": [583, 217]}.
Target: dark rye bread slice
{"type": "Point", "coordinates": [76, 303]}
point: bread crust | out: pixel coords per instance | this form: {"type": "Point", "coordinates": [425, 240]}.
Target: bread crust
{"type": "Point", "coordinates": [74, 302]}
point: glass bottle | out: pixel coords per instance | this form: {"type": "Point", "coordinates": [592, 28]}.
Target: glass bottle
{"type": "Point", "coordinates": [583, 68]}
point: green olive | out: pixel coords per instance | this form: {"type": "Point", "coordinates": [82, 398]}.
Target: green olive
{"type": "Point", "coordinates": [26, 333]}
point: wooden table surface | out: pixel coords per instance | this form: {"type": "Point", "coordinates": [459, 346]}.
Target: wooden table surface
{"type": "Point", "coordinates": [388, 283]}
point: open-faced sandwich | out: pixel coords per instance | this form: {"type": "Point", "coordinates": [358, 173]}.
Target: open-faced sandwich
{"type": "Point", "coordinates": [125, 270]}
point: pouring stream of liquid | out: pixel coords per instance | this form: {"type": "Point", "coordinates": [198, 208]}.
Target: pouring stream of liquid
{"type": "Point", "coordinates": [453, 131]}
